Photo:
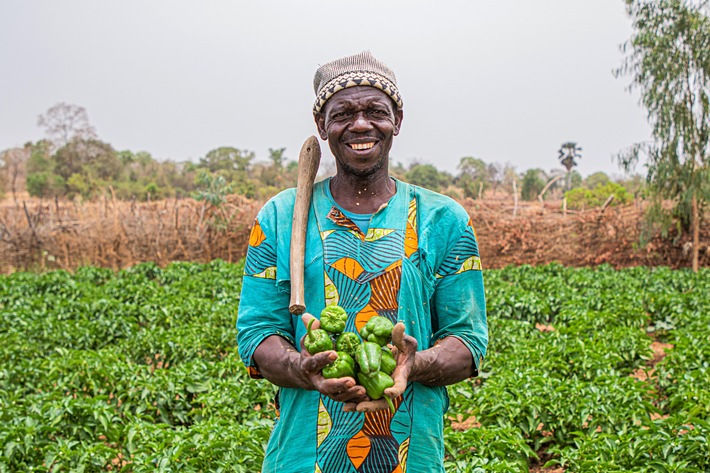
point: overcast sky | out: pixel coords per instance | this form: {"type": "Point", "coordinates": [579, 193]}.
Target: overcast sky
{"type": "Point", "coordinates": [506, 81]}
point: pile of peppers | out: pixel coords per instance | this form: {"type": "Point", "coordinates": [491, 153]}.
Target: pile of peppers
{"type": "Point", "coordinates": [364, 357]}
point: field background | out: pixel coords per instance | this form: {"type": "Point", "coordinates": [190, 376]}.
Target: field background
{"type": "Point", "coordinates": [62, 234]}
{"type": "Point", "coordinates": [118, 342]}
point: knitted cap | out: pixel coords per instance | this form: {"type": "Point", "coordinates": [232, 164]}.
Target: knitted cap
{"type": "Point", "coordinates": [351, 71]}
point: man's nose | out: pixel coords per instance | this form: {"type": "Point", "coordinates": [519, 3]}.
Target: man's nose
{"type": "Point", "coordinates": [361, 123]}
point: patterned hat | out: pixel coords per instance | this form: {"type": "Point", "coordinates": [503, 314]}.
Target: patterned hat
{"type": "Point", "coordinates": [351, 71]}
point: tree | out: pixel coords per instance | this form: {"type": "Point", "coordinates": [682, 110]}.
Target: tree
{"type": "Point", "coordinates": [495, 175]}
{"type": "Point", "coordinates": [41, 181]}
{"type": "Point", "coordinates": [40, 157]}
{"type": "Point", "coordinates": [510, 176]}
{"type": "Point", "coordinates": [595, 180]}
{"type": "Point", "coordinates": [273, 174]}
{"type": "Point", "coordinates": [473, 176]}
{"type": "Point", "coordinates": [398, 170]}
{"type": "Point", "coordinates": [533, 183]}
{"type": "Point", "coordinates": [227, 159]}
{"type": "Point", "coordinates": [92, 157]}
{"type": "Point", "coordinates": [668, 61]}
{"type": "Point", "coordinates": [568, 153]}
{"type": "Point", "coordinates": [65, 122]}
{"type": "Point", "coordinates": [424, 175]}
{"type": "Point", "coordinates": [45, 184]}
{"type": "Point", "coordinates": [575, 180]}
{"type": "Point", "coordinates": [277, 158]}
{"type": "Point", "coordinates": [211, 188]}
{"type": "Point", "coordinates": [13, 163]}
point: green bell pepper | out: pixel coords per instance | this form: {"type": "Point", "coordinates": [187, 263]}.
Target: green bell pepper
{"type": "Point", "coordinates": [377, 330]}
{"type": "Point", "coordinates": [348, 342]}
{"type": "Point", "coordinates": [368, 356]}
{"type": "Point", "coordinates": [375, 385]}
{"type": "Point", "coordinates": [388, 363]}
{"type": "Point", "coordinates": [317, 340]}
{"type": "Point", "coordinates": [342, 367]}
{"type": "Point", "coordinates": [333, 318]}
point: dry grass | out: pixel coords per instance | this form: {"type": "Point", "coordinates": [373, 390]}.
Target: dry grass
{"type": "Point", "coordinates": [540, 234]}
{"type": "Point", "coordinates": [41, 235]}
{"type": "Point", "coordinates": [38, 235]}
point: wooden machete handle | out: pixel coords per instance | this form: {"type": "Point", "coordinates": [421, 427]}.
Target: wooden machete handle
{"type": "Point", "coordinates": [308, 162]}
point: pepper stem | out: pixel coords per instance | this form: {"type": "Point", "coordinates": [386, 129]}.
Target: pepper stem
{"type": "Point", "coordinates": [389, 401]}
{"type": "Point", "coordinates": [310, 331]}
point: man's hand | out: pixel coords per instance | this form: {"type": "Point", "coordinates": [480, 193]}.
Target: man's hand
{"type": "Point", "coordinates": [404, 351]}
{"type": "Point", "coordinates": [343, 390]}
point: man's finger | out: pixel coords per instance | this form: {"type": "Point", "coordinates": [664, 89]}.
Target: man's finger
{"type": "Point", "coordinates": [398, 335]}
{"type": "Point", "coordinates": [319, 360]}
{"type": "Point", "coordinates": [396, 390]}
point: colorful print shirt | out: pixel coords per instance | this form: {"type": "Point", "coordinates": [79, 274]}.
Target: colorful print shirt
{"type": "Point", "coordinates": [418, 263]}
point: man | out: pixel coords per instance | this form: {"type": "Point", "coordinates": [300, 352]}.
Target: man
{"type": "Point", "coordinates": [375, 246]}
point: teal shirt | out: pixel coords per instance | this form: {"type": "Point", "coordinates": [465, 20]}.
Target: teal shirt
{"type": "Point", "coordinates": [419, 264]}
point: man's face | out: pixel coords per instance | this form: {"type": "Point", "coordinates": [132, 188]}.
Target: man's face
{"type": "Point", "coordinates": [359, 124]}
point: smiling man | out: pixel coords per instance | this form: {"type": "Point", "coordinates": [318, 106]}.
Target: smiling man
{"type": "Point", "coordinates": [375, 246]}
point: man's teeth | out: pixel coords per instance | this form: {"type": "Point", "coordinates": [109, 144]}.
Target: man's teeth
{"type": "Point", "coordinates": [361, 146]}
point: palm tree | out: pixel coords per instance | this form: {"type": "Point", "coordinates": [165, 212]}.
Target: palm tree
{"type": "Point", "coordinates": [567, 154]}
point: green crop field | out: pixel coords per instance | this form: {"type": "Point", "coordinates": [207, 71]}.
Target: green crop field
{"type": "Point", "coordinates": [137, 371]}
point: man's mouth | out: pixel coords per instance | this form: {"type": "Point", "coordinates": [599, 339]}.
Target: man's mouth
{"type": "Point", "coordinates": [362, 146]}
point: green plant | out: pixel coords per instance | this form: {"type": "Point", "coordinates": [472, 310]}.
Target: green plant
{"type": "Point", "coordinates": [583, 198]}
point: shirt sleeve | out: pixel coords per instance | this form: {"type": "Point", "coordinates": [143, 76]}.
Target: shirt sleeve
{"type": "Point", "coordinates": [263, 306]}
{"type": "Point", "coordinates": [459, 304]}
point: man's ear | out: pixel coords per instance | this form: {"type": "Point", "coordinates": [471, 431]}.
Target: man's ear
{"type": "Point", "coordinates": [320, 124]}
{"type": "Point", "coordinates": [398, 116]}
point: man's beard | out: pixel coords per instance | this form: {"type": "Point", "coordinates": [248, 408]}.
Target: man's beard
{"type": "Point", "coordinates": [362, 173]}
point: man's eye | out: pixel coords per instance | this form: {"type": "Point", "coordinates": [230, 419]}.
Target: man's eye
{"type": "Point", "coordinates": [379, 113]}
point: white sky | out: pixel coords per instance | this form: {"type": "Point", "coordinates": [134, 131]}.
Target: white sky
{"type": "Point", "coordinates": [506, 81]}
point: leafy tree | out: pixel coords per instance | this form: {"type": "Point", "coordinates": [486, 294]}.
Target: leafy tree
{"type": "Point", "coordinates": [597, 179]}
{"type": "Point", "coordinates": [273, 174]}
{"type": "Point", "coordinates": [424, 175]}
{"type": "Point", "coordinates": [211, 188]}
{"type": "Point", "coordinates": [398, 170]}
{"type": "Point", "coordinates": [533, 183]}
{"type": "Point", "coordinates": [40, 157]}
{"type": "Point", "coordinates": [227, 159]}
{"type": "Point", "coordinates": [87, 157]}
{"type": "Point", "coordinates": [65, 122]}
{"type": "Point", "coordinates": [277, 158]}
{"type": "Point", "coordinates": [41, 181]}
{"type": "Point", "coordinates": [473, 176]}
{"type": "Point", "coordinates": [575, 179]}
{"type": "Point", "coordinates": [78, 184]}
{"type": "Point", "coordinates": [45, 184]}
{"type": "Point", "coordinates": [668, 61]}
{"type": "Point", "coordinates": [635, 183]}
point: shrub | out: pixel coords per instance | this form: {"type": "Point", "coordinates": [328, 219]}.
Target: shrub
{"type": "Point", "coordinates": [582, 198]}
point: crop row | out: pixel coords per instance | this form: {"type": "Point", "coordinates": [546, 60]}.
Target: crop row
{"type": "Point", "coordinates": [137, 371]}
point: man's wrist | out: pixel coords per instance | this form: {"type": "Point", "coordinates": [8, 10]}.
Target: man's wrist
{"type": "Point", "coordinates": [421, 365]}
{"type": "Point", "coordinates": [298, 374]}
